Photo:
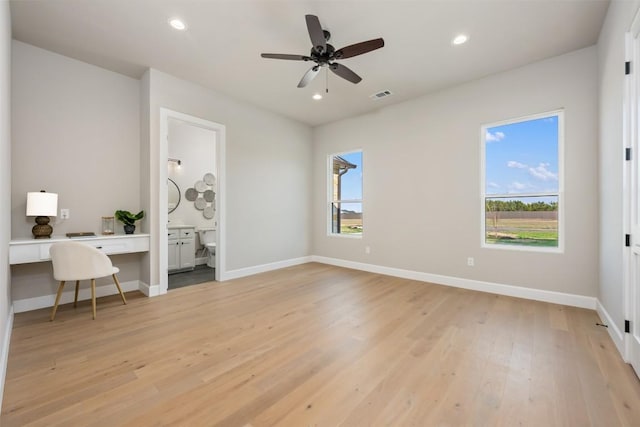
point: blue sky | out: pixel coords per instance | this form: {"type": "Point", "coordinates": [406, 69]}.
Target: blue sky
{"type": "Point", "coordinates": [352, 182]}
{"type": "Point", "coordinates": [522, 157]}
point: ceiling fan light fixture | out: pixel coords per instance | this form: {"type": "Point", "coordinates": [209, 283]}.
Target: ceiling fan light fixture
{"type": "Point", "coordinates": [177, 24]}
{"type": "Point", "coordinates": [460, 39]}
{"type": "Point", "coordinates": [317, 97]}
{"type": "Point", "coordinates": [324, 54]}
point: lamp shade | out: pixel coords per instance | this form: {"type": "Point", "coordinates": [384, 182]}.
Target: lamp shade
{"type": "Point", "coordinates": [42, 204]}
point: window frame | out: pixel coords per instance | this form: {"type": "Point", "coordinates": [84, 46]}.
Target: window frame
{"type": "Point", "coordinates": [330, 199]}
{"type": "Point", "coordinates": [559, 113]}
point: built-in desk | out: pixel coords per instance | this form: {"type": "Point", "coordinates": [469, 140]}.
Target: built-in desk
{"type": "Point", "coordinates": [27, 250]}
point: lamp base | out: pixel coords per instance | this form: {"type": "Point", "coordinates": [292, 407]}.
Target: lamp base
{"type": "Point", "coordinates": [42, 229]}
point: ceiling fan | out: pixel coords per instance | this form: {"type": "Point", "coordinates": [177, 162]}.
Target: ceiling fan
{"type": "Point", "coordinates": [325, 55]}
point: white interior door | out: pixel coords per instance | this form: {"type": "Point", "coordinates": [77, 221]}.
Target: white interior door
{"type": "Point", "coordinates": [632, 120]}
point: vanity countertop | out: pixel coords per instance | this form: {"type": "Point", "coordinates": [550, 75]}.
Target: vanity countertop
{"type": "Point", "coordinates": [179, 226]}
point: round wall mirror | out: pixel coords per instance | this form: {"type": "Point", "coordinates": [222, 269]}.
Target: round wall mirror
{"type": "Point", "coordinates": [173, 194]}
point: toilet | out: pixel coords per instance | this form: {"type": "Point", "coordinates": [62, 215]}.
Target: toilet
{"type": "Point", "coordinates": [208, 240]}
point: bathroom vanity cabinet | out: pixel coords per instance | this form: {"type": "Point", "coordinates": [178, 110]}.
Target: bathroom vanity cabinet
{"type": "Point", "coordinates": [182, 248]}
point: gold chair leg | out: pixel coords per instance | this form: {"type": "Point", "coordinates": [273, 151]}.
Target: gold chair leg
{"type": "Point", "coordinates": [58, 295]}
{"type": "Point", "coordinates": [93, 297]}
{"type": "Point", "coordinates": [115, 279]}
{"type": "Point", "coordinates": [75, 300]}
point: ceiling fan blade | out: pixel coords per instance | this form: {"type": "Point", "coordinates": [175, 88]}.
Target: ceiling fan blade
{"type": "Point", "coordinates": [345, 73]}
{"type": "Point", "coordinates": [285, 56]}
{"type": "Point", "coordinates": [359, 48]}
{"type": "Point", "coordinates": [308, 76]}
{"type": "Point", "coordinates": [315, 33]}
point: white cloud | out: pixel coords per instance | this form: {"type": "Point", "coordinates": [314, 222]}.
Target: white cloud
{"type": "Point", "coordinates": [493, 185]}
{"type": "Point", "coordinates": [493, 137]}
{"type": "Point", "coordinates": [542, 173]}
{"type": "Point", "coordinates": [515, 185]}
{"type": "Point", "coordinates": [517, 165]}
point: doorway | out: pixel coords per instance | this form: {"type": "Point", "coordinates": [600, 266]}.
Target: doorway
{"type": "Point", "coordinates": [191, 189]}
{"type": "Point", "coordinates": [192, 226]}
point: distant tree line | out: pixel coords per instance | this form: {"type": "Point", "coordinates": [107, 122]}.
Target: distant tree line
{"type": "Point", "coordinates": [517, 205]}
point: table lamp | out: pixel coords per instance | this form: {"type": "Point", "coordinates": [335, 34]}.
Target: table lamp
{"type": "Point", "coordinates": [42, 205]}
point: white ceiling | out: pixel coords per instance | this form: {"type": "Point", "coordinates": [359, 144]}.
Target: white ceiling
{"type": "Point", "coordinates": [221, 48]}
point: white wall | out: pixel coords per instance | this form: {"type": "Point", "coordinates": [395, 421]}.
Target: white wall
{"type": "Point", "coordinates": [268, 173]}
{"type": "Point", "coordinates": [5, 185]}
{"type": "Point", "coordinates": [76, 132]}
{"type": "Point", "coordinates": [421, 164]}
{"type": "Point", "coordinates": [611, 83]}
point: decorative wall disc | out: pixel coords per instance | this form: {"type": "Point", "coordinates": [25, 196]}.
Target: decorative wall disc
{"type": "Point", "coordinates": [209, 179]}
{"type": "Point", "coordinates": [209, 212]}
{"type": "Point", "coordinates": [191, 194]}
{"type": "Point", "coordinates": [200, 203]}
{"type": "Point", "coordinates": [200, 186]}
{"type": "Point", "coordinates": [209, 196]}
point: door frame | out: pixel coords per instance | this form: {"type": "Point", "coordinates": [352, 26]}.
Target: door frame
{"type": "Point", "coordinates": [220, 199]}
{"type": "Point", "coordinates": [631, 190]}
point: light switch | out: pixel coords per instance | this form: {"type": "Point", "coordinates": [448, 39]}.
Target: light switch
{"type": "Point", "coordinates": [64, 213]}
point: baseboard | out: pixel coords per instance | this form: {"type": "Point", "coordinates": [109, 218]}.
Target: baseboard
{"type": "Point", "coordinates": [149, 290]}
{"type": "Point", "coordinates": [44, 301]}
{"type": "Point", "coordinates": [573, 300]}
{"type": "Point", "coordinates": [614, 332]}
{"type": "Point", "coordinates": [475, 285]}
{"type": "Point", "coordinates": [243, 272]}
{"type": "Point", "coordinates": [6, 341]}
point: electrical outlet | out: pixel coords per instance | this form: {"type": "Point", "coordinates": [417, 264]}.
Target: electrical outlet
{"type": "Point", "coordinates": [470, 262]}
{"type": "Point", "coordinates": [367, 249]}
{"type": "Point", "coordinates": [64, 213]}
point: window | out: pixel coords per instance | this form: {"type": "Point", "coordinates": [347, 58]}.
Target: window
{"type": "Point", "coordinates": [345, 194]}
{"type": "Point", "coordinates": [522, 183]}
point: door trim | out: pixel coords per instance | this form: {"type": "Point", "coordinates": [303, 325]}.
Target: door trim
{"type": "Point", "coordinates": [220, 200]}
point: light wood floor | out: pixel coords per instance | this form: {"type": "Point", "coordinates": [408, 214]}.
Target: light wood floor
{"type": "Point", "coordinates": [317, 345]}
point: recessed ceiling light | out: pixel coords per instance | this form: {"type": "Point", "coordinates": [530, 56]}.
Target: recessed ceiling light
{"type": "Point", "coordinates": [460, 39]}
{"type": "Point", "coordinates": [177, 24]}
{"type": "Point", "coordinates": [317, 97]}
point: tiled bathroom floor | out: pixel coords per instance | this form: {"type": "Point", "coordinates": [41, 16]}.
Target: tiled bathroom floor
{"type": "Point", "coordinates": [201, 274]}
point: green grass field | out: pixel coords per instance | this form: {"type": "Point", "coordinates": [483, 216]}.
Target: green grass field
{"type": "Point", "coordinates": [522, 232]}
{"type": "Point", "coordinates": [351, 226]}
{"type": "Point", "coordinates": [513, 231]}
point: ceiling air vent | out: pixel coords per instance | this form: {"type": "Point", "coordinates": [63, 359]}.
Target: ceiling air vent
{"type": "Point", "coordinates": [382, 94]}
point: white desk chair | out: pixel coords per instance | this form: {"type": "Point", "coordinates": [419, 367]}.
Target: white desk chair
{"type": "Point", "coordinates": [78, 261]}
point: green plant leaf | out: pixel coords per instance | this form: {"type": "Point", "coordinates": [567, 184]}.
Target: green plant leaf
{"type": "Point", "coordinates": [127, 217]}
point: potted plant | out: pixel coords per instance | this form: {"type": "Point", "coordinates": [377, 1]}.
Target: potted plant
{"type": "Point", "coordinates": [129, 219]}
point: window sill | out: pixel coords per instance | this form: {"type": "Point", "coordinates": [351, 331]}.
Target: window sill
{"type": "Point", "coordinates": [345, 236]}
{"type": "Point", "coordinates": [539, 249]}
